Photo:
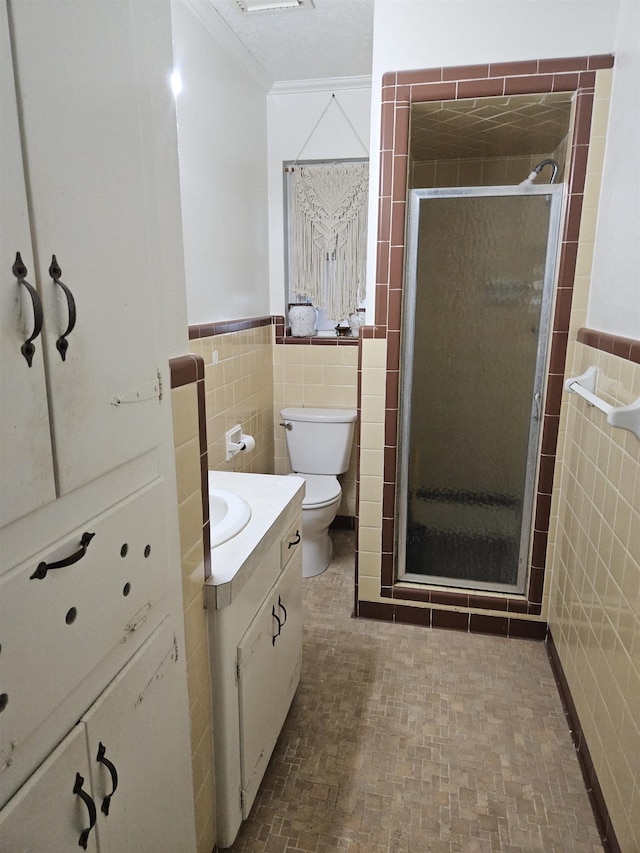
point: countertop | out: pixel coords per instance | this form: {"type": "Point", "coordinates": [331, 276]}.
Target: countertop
{"type": "Point", "coordinates": [233, 562]}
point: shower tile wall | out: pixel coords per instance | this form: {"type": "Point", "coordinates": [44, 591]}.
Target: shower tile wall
{"type": "Point", "coordinates": [239, 390]}
{"type": "Point", "coordinates": [313, 375]}
{"type": "Point", "coordinates": [494, 171]}
{"type": "Point", "coordinates": [184, 400]}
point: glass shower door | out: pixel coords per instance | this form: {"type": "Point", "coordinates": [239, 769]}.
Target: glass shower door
{"type": "Point", "coordinates": [477, 302]}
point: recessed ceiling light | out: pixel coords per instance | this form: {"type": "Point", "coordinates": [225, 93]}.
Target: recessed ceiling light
{"type": "Point", "coordinates": [248, 6]}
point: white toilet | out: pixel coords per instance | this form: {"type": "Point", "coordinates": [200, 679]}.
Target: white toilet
{"type": "Point", "coordinates": [319, 444]}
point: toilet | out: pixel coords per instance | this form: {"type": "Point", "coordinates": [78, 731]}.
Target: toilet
{"type": "Point", "coordinates": [319, 445]}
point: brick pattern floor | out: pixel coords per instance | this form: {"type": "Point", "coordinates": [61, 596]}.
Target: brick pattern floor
{"type": "Point", "coordinates": [403, 739]}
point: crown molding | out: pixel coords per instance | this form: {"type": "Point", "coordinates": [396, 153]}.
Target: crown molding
{"type": "Point", "coordinates": [328, 84]}
{"type": "Point", "coordinates": [228, 40]}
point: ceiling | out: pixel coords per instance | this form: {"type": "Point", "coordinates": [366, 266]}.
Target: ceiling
{"type": "Point", "coordinates": [489, 127]}
{"type": "Point", "coordinates": [332, 39]}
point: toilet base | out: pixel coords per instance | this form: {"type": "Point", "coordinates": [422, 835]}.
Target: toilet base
{"type": "Point", "coordinates": [316, 554]}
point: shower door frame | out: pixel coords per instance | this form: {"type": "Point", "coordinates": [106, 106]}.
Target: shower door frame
{"type": "Point", "coordinates": [556, 193]}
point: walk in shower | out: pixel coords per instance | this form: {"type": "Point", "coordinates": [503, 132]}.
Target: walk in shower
{"type": "Point", "coordinates": [477, 302]}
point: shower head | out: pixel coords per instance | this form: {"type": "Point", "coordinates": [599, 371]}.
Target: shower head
{"type": "Point", "coordinates": [533, 175]}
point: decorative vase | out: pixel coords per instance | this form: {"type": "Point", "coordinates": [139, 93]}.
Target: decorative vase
{"type": "Point", "coordinates": [302, 320]}
{"type": "Point", "coordinates": [356, 320]}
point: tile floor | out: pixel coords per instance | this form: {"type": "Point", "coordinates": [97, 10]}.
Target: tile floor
{"type": "Point", "coordinates": [403, 739]}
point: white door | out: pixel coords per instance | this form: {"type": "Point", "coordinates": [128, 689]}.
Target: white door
{"type": "Point", "coordinates": [289, 642]}
{"type": "Point", "coordinates": [80, 90]}
{"type": "Point", "coordinates": [140, 756]}
{"type": "Point", "coordinates": [257, 699]}
{"type": "Point", "coordinates": [54, 811]}
{"type": "Point", "coordinates": [26, 465]}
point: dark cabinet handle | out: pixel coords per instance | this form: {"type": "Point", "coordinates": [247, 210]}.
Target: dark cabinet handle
{"type": "Point", "coordinates": [43, 568]}
{"type": "Point", "coordinates": [62, 344]}
{"type": "Point", "coordinates": [296, 540]}
{"type": "Point", "coordinates": [114, 777]}
{"type": "Point", "coordinates": [280, 624]}
{"type": "Point", "coordinates": [284, 610]}
{"type": "Point", "coordinates": [91, 808]}
{"type": "Point", "coordinates": [19, 270]}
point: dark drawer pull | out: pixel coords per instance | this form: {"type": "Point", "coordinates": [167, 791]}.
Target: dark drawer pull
{"type": "Point", "coordinates": [284, 609]}
{"type": "Point", "coordinates": [43, 568]}
{"type": "Point", "coordinates": [62, 344]}
{"type": "Point", "coordinates": [91, 808]}
{"type": "Point", "coordinates": [114, 777]}
{"type": "Point", "coordinates": [296, 540]}
{"type": "Point", "coordinates": [19, 270]}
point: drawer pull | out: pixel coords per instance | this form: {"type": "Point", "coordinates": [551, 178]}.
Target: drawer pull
{"type": "Point", "coordinates": [114, 777]}
{"type": "Point", "coordinates": [43, 568]}
{"type": "Point", "coordinates": [91, 808]}
{"type": "Point", "coordinates": [19, 270]}
{"type": "Point", "coordinates": [280, 624]}
{"type": "Point", "coordinates": [284, 610]}
{"type": "Point", "coordinates": [62, 344]}
{"type": "Point", "coordinates": [296, 541]}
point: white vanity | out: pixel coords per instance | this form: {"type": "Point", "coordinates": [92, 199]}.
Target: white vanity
{"type": "Point", "coordinates": [254, 604]}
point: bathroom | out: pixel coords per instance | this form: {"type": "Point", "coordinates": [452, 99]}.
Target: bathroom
{"type": "Point", "coordinates": [238, 387]}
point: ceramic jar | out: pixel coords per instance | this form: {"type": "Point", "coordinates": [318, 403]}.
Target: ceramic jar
{"type": "Point", "coordinates": [302, 320]}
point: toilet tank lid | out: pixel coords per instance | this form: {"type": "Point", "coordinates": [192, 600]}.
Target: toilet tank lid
{"type": "Point", "coordinates": [306, 413]}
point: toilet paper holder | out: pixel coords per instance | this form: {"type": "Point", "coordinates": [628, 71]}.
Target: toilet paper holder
{"type": "Point", "coordinates": [236, 441]}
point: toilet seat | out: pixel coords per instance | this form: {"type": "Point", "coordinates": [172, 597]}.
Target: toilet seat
{"type": "Point", "coordinates": [321, 490]}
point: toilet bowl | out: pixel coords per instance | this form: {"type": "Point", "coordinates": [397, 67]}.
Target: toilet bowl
{"type": "Point", "coordinates": [319, 446]}
{"type": "Point", "coordinates": [319, 508]}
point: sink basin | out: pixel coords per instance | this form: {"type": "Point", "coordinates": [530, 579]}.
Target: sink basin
{"type": "Point", "coordinates": [228, 515]}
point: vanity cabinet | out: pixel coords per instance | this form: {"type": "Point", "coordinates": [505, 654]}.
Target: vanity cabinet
{"type": "Point", "coordinates": [254, 621]}
{"type": "Point", "coordinates": [120, 778]}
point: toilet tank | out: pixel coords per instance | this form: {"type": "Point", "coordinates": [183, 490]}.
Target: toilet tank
{"type": "Point", "coordinates": [319, 440]}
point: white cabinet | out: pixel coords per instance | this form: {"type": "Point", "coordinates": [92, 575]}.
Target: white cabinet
{"type": "Point", "coordinates": [269, 658]}
{"type": "Point", "coordinates": [74, 146]}
{"type": "Point", "coordinates": [120, 779]}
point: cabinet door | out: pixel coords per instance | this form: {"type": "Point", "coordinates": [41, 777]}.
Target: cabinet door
{"type": "Point", "coordinates": [289, 642]}
{"type": "Point", "coordinates": [25, 445]}
{"type": "Point", "coordinates": [140, 726]}
{"type": "Point", "coordinates": [81, 90]}
{"type": "Point", "coordinates": [47, 815]}
{"type": "Point", "coordinates": [257, 700]}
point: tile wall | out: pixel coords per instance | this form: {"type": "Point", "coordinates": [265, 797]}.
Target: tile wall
{"type": "Point", "coordinates": [468, 172]}
{"type": "Point", "coordinates": [239, 390]}
{"type": "Point", "coordinates": [594, 615]}
{"type": "Point", "coordinates": [189, 452]}
{"type": "Point", "coordinates": [309, 374]}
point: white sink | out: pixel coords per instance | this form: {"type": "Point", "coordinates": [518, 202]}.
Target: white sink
{"type": "Point", "coordinates": [228, 515]}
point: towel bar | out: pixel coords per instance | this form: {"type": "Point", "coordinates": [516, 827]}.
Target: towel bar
{"type": "Point", "coordinates": [623, 417]}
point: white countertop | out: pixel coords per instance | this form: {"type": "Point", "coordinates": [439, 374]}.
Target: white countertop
{"type": "Point", "coordinates": [232, 562]}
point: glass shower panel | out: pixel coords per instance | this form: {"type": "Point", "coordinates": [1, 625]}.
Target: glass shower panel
{"type": "Point", "coordinates": [476, 314]}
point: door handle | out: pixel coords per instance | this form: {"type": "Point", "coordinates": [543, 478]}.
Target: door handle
{"type": "Point", "coordinates": [19, 270]}
{"type": "Point", "coordinates": [91, 808]}
{"type": "Point", "coordinates": [43, 568]}
{"type": "Point", "coordinates": [100, 758]}
{"type": "Point", "coordinates": [62, 344]}
{"type": "Point", "coordinates": [274, 637]}
{"type": "Point", "coordinates": [536, 402]}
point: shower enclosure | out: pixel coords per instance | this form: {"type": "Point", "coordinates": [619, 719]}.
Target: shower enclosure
{"type": "Point", "coordinates": [477, 304]}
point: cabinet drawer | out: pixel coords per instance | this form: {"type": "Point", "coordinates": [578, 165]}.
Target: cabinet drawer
{"type": "Point", "coordinates": [56, 629]}
{"type": "Point", "coordinates": [291, 542]}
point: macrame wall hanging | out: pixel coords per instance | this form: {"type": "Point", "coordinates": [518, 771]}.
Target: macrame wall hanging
{"type": "Point", "coordinates": [328, 219]}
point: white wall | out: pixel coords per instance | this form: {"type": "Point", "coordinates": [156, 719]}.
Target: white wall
{"type": "Point", "coordinates": [293, 114]}
{"type": "Point", "coordinates": [222, 139]}
{"type": "Point", "coordinates": [614, 298]}
{"type": "Point", "coordinates": [432, 33]}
